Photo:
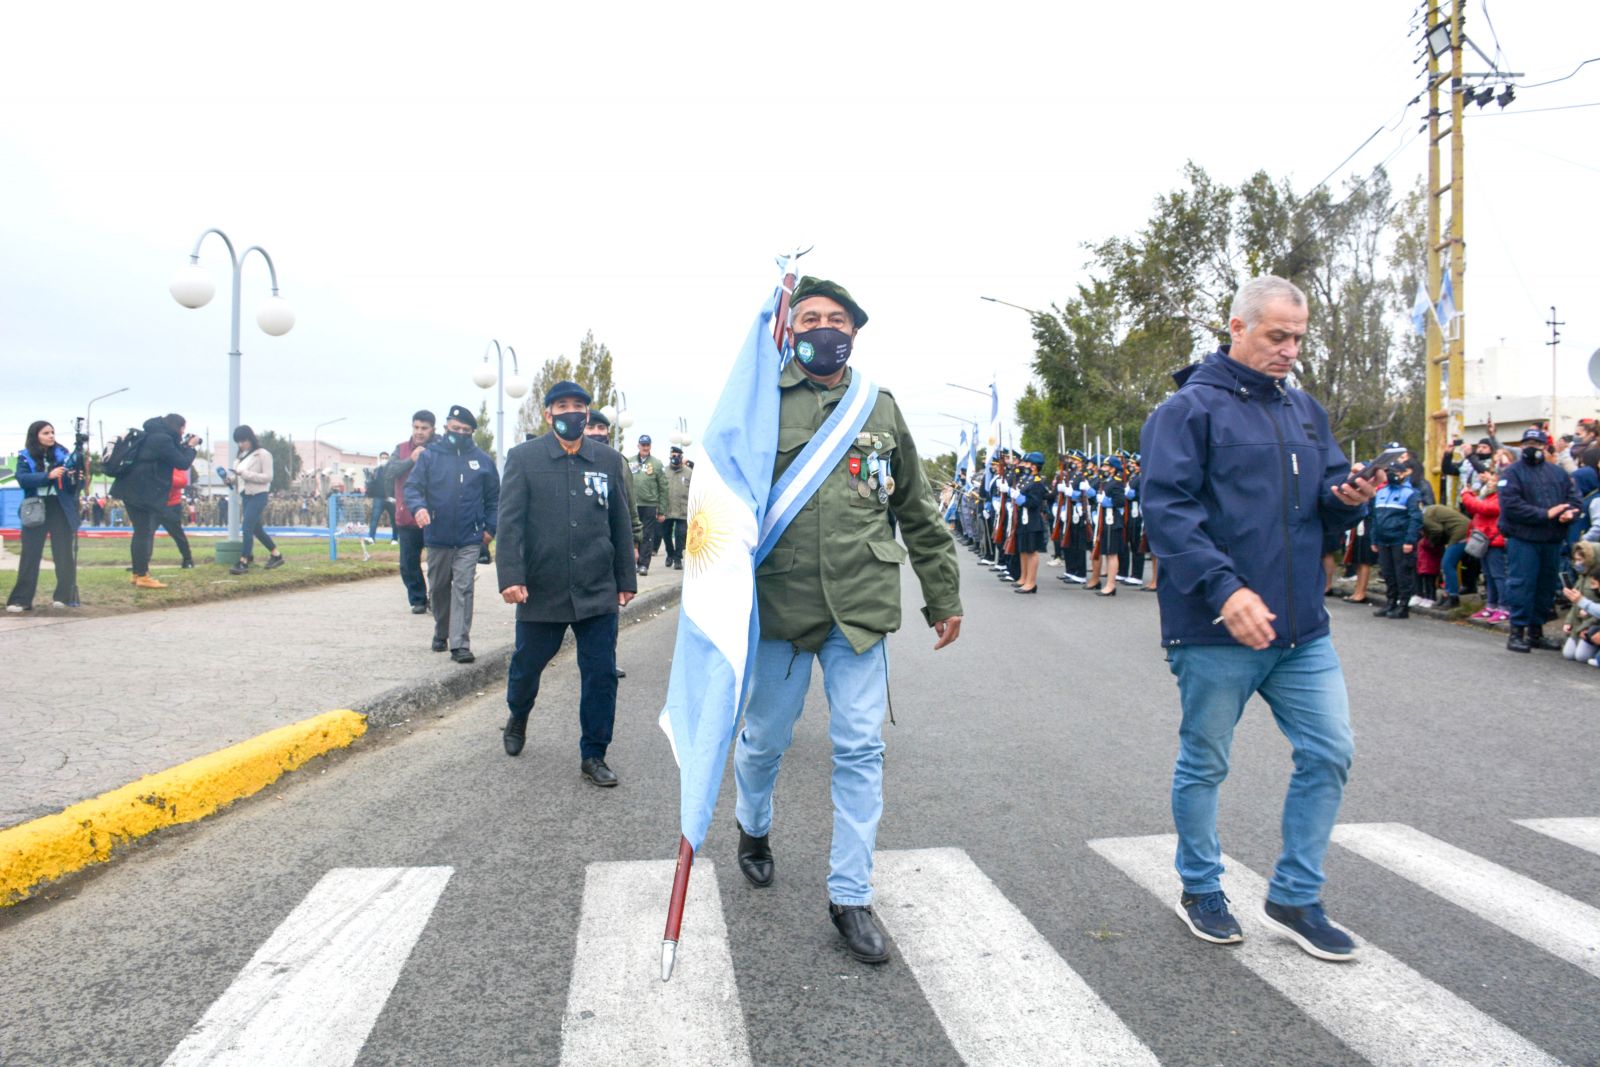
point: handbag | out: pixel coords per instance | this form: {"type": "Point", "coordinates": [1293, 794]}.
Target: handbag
{"type": "Point", "coordinates": [31, 513]}
{"type": "Point", "coordinates": [1477, 544]}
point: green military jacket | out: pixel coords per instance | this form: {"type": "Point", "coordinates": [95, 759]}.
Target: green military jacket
{"type": "Point", "coordinates": [633, 504]}
{"type": "Point", "coordinates": [650, 474]}
{"type": "Point", "coordinates": [838, 563]}
{"type": "Point", "coordinates": [677, 492]}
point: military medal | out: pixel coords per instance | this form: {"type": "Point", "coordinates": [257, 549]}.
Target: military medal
{"type": "Point", "coordinates": [872, 476]}
{"type": "Point", "coordinates": [588, 486]}
{"type": "Point", "coordinates": [855, 470]}
{"type": "Point", "coordinates": [883, 482]}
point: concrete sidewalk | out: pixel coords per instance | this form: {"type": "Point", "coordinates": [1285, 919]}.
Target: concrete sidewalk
{"type": "Point", "coordinates": [94, 704]}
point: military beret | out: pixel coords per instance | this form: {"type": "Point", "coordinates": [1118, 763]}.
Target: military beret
{"type": "Point", "coordinates": [561, 390]}
{"type": "Point", "coordinates": [675, 448]}
{"type": "Point", "coordinates": [809, 287]}
{"type": "Point", "coordinates": [463, 415]}
{"type": "Point", "coordinates": [597, 417]}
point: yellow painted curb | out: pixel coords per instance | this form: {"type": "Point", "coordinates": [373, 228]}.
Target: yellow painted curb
{"type": "Point", "coordinates": [87, 832]}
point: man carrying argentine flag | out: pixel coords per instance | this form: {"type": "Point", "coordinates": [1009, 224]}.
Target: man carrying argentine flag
{"type": "Point", "coordinates": [827, 468]}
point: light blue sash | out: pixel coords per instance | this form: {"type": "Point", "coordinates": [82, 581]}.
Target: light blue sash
{"type": "Point", "coordinates": [817, 460]}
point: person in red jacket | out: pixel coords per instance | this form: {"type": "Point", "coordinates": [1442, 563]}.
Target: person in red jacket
{"type": "Point", "coordinates": [406, 530]}
{"type": "Point", "coordinates": [1484, 508]}
{"type": "Point", "coordinates": [170, 517]}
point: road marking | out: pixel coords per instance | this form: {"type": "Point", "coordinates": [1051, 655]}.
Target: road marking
{"type": "Point", "coordinates": [1375, 1004]}
{"type": "Point", "coordinates": [311, 993]}
{"type": "Point", "coordinates": [1555, 922]}
{"type": "Point", "coordinates": [618, 1008]}
{"type": "Point", "coordinates": [1583, 833]}
{"type": "Point", "coordinates": [1001, 992]}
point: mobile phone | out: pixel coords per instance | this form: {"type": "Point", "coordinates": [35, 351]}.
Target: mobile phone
{"type": "Point", "coordinates": [1566, 580]}
{"type": "Point", "coordinates": [1382, 462]}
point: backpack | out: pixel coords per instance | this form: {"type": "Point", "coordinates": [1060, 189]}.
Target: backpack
{"type": "Point", "coordinates": [123, 453]}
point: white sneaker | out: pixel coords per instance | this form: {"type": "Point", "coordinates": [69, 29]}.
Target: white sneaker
{"type": "Point", "coordinates": [15, 609]}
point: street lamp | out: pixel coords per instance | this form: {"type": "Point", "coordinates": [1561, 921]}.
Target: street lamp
{"type": "Point", "coordinates": [193, 287]}
{"type": "Point", "coordinates": [316, 471]}
{"type": "Point", "coordinates": [516, 387]}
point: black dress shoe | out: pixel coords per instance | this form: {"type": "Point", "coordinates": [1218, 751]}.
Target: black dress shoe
{"type": "Point", "coordinates": [439, 644]}
{"type": "Point", "coordinates": [187, 565]}
{"type": "Point", "coordinates": [1111, 592]}
{"type": "Point", "coordinates": [1518, 641]}
{"type": "Point", "coordinates": [1019, 589]}
{"type": "Point", "coordinates": [419, 609]}
{"type": "Point", "coordinates": [597, 772]}
{"type": "Point", "coordinates": [1384, 611]}
{"type": "Point", "coordinates": [1536, 638]}
{"type": "Point", "coordinates": [462, 655]}
{"type": "Point", "coordinates": [755, 859]}
{"type": "Point", "coordinates": [621, 673]}
{"type": "Point", "coordinates": [514, 735]}
{"type": "Point", "coordinates": [862, 938]}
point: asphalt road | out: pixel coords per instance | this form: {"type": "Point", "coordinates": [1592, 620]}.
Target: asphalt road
{"type": "Point", "coordinates": [1050, 724]}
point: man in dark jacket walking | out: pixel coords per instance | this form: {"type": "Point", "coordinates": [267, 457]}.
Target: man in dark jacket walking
{"type": "Point", "coordinates": [144, 488]}
{"type": "Point", "coordinates": [454, 492]}
{"type": "Point", "coordinates": [566, 560]}
{"type": "Point", "coordinates": [1242, 479]}
{"type": "Point", "coordinates": [1537, 501]}
{"type": "Point", "coordinates": [406, 530]}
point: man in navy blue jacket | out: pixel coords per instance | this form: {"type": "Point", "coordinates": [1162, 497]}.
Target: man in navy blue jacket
{"type": "Point", "coordinates": [1537, 501]}
{"type": "Point", "coordinates": [454, 494]}
{"type": "Point", "coordinates": [1242, 477]}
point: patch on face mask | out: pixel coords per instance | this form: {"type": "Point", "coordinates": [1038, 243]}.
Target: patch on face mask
{"type": "Point", "coordinates": [805, 352]}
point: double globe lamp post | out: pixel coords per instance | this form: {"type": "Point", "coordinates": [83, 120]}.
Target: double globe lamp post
{"type": "Point", "coordinates": [516, 387]}
{"type": "Point", "coordinates": [193, 287]}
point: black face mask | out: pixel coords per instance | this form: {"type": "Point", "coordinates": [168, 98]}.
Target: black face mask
{"type": "Point", "coordinates": [569, 425]}
{"type": "Point", "coordinates": [822, 352]}
{"type": "Point", "coordinates": [1533, 454]}
{"type": "Point", "coordinates": [458, 441]}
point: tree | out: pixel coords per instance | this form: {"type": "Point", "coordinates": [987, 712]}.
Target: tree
{"type": "Point", "coordinates": [592, 371]}
{"type": "Point", "coordinates": [285, 460]}
{"type": "Point", "coordinates": [1160, 297]}
{"type": "Point", "coordinates": [483, 436]}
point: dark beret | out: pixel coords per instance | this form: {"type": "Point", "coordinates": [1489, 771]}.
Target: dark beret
{"type": "Point", "coordinates": [565, 389]}
{"type": "Point", "coordinates": [832, 290]}
{"type": "Point", "coordinates": [462, 414]}
{"type": "Point", "coordinates": [597, 417]}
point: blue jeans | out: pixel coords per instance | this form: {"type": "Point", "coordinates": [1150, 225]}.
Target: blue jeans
{"type": "Point", "coordinates": [537, 645]}
{"type": "Point", "coordinates": [1448, 565]}
{"type": "Point", "coordinates": [857, 688]}
{"type": "Point", "coordinates": [1494, 577]}
{"type": "Point", "coordinates": [410, 538]}
{"type": "Point", "coordinates": [1533, 570]}
{"type": "Point", "coordinates": [255, 506]}
{"type": "Point", "coordinates": [1305, 689]}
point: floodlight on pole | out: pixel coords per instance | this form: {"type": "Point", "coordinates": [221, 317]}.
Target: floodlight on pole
{"type": "Point", "coordinates": [1439, 42]}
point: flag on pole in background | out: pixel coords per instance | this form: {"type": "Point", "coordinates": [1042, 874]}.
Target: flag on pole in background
{"type": "Point", "coordinates": [717, 622]}
{"type": "Point", "coordinates": [1445, 309]}
{"type": "Point", "coordinates": [1419, 311]}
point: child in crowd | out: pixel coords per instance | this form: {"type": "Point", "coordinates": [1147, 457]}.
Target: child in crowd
{"type": "Point", "coordinates": [1583, 622]}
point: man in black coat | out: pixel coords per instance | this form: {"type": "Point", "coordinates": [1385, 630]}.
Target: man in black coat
{"type": "Point", "coordinates": [144, 488]}
{"type": "Point", "coordinates": [1537, 502]}
{"type": "Point", "coordinates": [566, 559]}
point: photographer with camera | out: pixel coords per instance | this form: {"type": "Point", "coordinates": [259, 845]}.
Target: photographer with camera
{"type": "Point", "coordinates": [162, 449]}
{"type": "Point", "coordinates": [252, 473]}
{"type": "Point", "coordinates": [51, 478]}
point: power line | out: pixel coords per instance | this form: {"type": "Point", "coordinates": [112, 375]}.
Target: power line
{"type": "Point", "coordinates": [1563, 78]}
{"type": "Point", "coordinates": [1534, 110]}
{"type": "Point", "coordinates": [1499, 53]}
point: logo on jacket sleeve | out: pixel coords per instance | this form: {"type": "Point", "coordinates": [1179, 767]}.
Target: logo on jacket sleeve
{"type": "Point", "coordinates": [472, 463]}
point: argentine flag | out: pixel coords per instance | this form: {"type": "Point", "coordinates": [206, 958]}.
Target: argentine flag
{"type": "Point", "coordinates": [717, 621]}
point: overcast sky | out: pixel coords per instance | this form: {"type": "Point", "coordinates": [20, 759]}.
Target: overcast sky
{"type": "Point", "coordinates": [429, 177]}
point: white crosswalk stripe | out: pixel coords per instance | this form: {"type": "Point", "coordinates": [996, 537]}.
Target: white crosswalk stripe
{"type": "Point", "coordinates": [1377, 1005]}
{"type": "Point", "coordinates": [310, 994]}
{"type": "Point", "coordinates": [618, 1008]}
{"type": "Point", "coordinates": [1000, 991]}
{"type": "Point", "coordinates": [1581, 833]}
{"type": "Point", "coordinates": [1555, 922]}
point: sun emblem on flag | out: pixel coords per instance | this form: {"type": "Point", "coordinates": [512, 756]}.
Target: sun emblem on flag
{"type": "Point", "coordinates": [710, 526]}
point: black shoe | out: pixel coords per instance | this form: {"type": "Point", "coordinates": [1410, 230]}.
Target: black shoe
{"type": "Point", "coordinates": [239, 568]}
{"type": "Point", "coordinates": [274, 562]}
{"type": "Point", "coordinates": [1536, 638]}
{"type": "Point", "coordinates": [1019, 589]}
{"type": "Point", "coordinates": [1401, 611]}
{"type": "Point", "coordinates": [419, 609]}
{"type": "Point", "coordinates": [621, 673]}
{"type": "Point", "coordinates": [862, 938]}
{"type": "Point", "coordinates": [483, 555]}
{"type": "Point", "coordinates": [187, 565]}
{"type": "Point", "coordinates": [1449, 602]}
{"type": "Point", "coordinates": [597, 772]}
{"type": "Point", "coordinates": [1518, 641]}
{"type": "Point", "coordinates": [462, 655]}
{"type": "Point", "coordinates": [514, 735]}
{"type": "Point", "coordinates": [439, 644]}
{"type": "Point", "coordinates": [1383, 612]}
{"type": "Point", "coordinates": [1111, 592]}
{"type": "Point", "coordinates": [755, 859]}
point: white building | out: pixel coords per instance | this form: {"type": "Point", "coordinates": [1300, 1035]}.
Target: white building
{"type": "Point", "coordinates": [1504, 384]}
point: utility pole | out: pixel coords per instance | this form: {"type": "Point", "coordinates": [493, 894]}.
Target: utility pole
{"type": "Point", "coordinates": [1446, 353]}
{"type": "Point", "coordinates": [1554, 343]}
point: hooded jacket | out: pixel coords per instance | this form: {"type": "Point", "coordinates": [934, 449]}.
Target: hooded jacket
{"type": "Point", "coordinates": [1485, 511]}
{"type": "Point", "coordinates": [461, 490]}
{"type": "Point", "coordinates": [34, 477]}
{"type": "Point", "coordinates": [158, 455]}
{"type": "Point", "coordinates": [1237, 488]}
{"type": "Point", "coordinates": [1397, 515]}
{"type": "Point", "coordinates": [1583, 613]}
{"type": "Point", "coordinates": [1527, 493]}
